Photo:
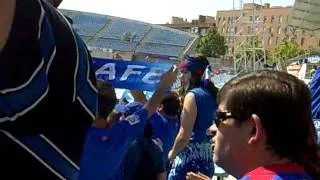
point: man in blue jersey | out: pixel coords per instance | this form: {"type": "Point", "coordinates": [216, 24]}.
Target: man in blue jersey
{"type": "Point", "coordinates": [265, 129]}
{"type": "Point", "coordinates": [47, 92]}
{"type": "Point", "coordinates": [109, 139]}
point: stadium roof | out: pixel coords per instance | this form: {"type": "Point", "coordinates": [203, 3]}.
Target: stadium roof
{"type": "Point", "coordinates": [107, 32]}
{"type": "Point", "coordinates": [305, 14]}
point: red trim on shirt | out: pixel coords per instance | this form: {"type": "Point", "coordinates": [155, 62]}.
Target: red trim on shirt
{"type": "Point", "coordinates": [275, 169]}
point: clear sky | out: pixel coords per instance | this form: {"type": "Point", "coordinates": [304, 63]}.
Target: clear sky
{"type": "Point", "coordinates": [161, 11]}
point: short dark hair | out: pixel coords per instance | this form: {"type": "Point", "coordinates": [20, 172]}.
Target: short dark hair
{"type": "Point", "coordinates": [107, 98]}
{"type": "Point", "coordinates": [171, 104]}
{"type": "Point", "coordinates": [283, 104]}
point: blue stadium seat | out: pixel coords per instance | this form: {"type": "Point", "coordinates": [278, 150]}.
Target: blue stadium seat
{"type": "Point", "coordinates": [112, 44]}
{"type": "Point", "coordinates": [160, 49]}
{"type": "Point", "coordinates": [88, 24]}
{"type": "Point", "coordinates": [134, 29]}
{"type": "Point", "coordinates": [166, 36]}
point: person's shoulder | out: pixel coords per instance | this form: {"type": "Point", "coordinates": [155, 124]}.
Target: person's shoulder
{"type": "Point", "coordinates": [137, 116]}
{"type": "Point", "coordinates": [155, 116]}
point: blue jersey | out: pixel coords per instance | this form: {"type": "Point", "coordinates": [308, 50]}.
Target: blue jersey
{"type": "Point", "coordinates": [166, 130]}
{"type": "Point", "coordinates": [197, 156]}
{"type": "Point", "coordinates": [143, 160]}
{"type": "Point", "coordinates": [105, 148]}
{"type": "Point", "coordinates": [206, 108]}
{"type": "Point", "coordinates": [277, 172]}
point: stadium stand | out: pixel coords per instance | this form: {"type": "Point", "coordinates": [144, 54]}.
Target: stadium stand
{"type": "Point", "coordinates": [161, 49]}
{"type": "Point", "coordinates": [135, 30]}
{"type": "Point", "coordinates": [119, 34]}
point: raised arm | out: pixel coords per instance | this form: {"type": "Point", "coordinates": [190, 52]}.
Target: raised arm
{"type": "Point", "coordinates": [166, 81]}
{"type": "Point", "coordinates": [188, 118]}
{"type": "Point", "coordinates": [139, 96]}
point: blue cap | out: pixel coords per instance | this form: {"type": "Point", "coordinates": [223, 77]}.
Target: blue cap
{"type": "Point", "coordinates": [129, 108]}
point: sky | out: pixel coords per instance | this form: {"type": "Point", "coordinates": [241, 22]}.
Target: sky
{"type": "Point", "coordinates": [160, 12]}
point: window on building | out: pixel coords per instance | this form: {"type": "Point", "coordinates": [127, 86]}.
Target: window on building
{"type": "Point", "coordinates": [250, 18]}
{"type": "Point", "coordinates": [279, 30]}
{"type": "Point", "coordinates": [269, 41]}
{"type": "Point", "coordinates": [277, 41]}
{"type": "Point", "coordinates": [256, 18]}
{"type": "Point", "coordinates": [302, 42]}
{"type": "Point", "coordinates": [272, 19]}
{"type": "Point", "coordinates": [286, 30]}
{"type": "Point", "coordinates": [280, 19]}
{"type": "Point", "coordinates": [312, 34]}
{"type": "Point", "coordinates": [249, 29]}
{"type": "Point", "coordinates": [270, 30]}
{"type": "Point", "coordinates": [203, 31]}
{"type": "Point", "coordinates": [219, 20]}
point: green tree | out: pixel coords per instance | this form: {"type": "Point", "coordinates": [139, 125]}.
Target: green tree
{"type": "Point", "coordinates": [212, 44]}
{"type": "Point", "coordinates": [286, 50]}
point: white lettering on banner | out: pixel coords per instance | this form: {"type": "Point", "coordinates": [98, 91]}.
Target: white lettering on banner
{"type": "Point", "coordinates": [108, 69]}
{"type": "Point", "coordinates": [130, 70]}
{"type": "Point", "coordinates": [155, 71]}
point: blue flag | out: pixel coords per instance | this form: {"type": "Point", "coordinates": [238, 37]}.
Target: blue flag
{"type": "Point", "coordinates": [130, 74]}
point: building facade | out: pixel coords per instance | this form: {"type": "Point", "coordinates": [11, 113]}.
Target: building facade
{"type": "Point", "coordinates": [197, 26]}
{"type": "Point", "coordinates": [268, 23]}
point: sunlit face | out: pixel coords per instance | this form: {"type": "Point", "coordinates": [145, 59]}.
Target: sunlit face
{"type": "Point", "coordinates": [229, 143]}
{"type": "Point", "coordinates": [185, 79]}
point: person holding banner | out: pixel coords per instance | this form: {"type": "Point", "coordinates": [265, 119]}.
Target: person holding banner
{"type": "Point", "coordinates": [47, 92]}
{"type": "Point", "coordinates": [191, 151]}
{"type": "Point", "coordinates": [107, 143]}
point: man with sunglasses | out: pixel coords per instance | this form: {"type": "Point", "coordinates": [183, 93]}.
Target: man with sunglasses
{"type": "Point", "coordinates": [264, 128]}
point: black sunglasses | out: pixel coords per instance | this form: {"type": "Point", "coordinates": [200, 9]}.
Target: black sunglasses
{"type": "Point", "coordinates": [222, 116]}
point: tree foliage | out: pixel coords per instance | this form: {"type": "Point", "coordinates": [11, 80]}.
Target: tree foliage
{"type": "Point", "coordinates": [212, 44]}
{"type": "Point", "coordinates": [286, 50]}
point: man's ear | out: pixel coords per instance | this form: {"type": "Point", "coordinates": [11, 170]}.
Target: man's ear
{"type": "Point", "coordinates": [256, 132]}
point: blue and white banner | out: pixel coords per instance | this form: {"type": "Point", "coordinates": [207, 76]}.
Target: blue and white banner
{"type": "Point", "coordinates": [130, 74]}
{"type": "Point", "coordinates": [315, 92]}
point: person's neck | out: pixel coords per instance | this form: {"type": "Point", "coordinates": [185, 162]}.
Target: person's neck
{"type": "Point", "coordinates": [164, 114]}
{"type": "Point", "coordinates": [260, 160]}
